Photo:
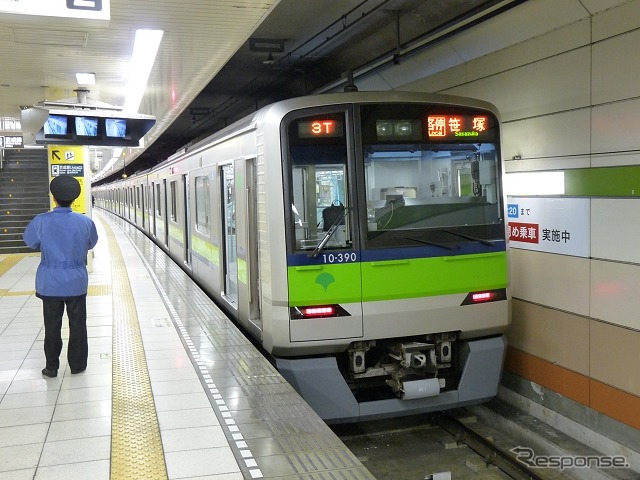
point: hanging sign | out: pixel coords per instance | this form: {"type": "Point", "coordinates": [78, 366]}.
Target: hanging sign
{"type": "Point", "coordinates": [90, 9]}
{"type": "Point", "coordinates": [11, 141]}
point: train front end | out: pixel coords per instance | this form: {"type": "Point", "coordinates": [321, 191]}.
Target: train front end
{"type": "Point", "coordinates": [396, 255]}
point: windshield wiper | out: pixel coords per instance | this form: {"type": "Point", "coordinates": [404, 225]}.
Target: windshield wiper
{"type": "Point", "coordinates": [475, 239]}
{"type": "Point", "coordinates": [332, 229]}
{"type": "Point", "coordinates": [435, 244]}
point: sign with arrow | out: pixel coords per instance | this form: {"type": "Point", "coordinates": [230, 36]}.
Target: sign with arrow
{"type": "Point", "coordinates": [69, 160]}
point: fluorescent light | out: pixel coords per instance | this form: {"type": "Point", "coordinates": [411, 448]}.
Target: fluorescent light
{"type": "Point", "coordinates": [86, 78]}
{"type": "Point", "coordinates": [534, 183]}
{"type": "Point", "coordinates": [145, 49]}
{"type": "Point", "coordinates": [115, 156]}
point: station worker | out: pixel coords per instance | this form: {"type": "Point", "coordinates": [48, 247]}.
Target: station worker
{"type": "Point", "coordinates": [64, 239]}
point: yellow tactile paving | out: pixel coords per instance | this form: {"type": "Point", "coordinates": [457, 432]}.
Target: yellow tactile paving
{"type": "Point", "coordinates": [9, 293]}
{"type": "Point", "coordinates": [11, 260]}
{"type": "Point", "coordinates": [98, 290]}
{"type": "Point", "coordinates": [136, 446]}
{"type": "Point", "coordinates": [8, 261]}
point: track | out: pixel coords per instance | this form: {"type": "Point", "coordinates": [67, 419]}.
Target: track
{"type": "Point", "coordinates": [439, 446]}
{"type": "Point", "coordinates": [485, 447]}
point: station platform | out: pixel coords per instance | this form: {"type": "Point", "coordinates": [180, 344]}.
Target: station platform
{"type": "Point", "coordinates": [173, 390]}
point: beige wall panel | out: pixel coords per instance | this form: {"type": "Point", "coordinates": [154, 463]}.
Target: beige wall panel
{"type": "Point", "coordinates": [615, 293]}
{"type": "Point", "coordinates": [519, 37]}
{"type": "Point", "coordinates": [536, 89]}
{"type": "Point", "coordinates": [609, 160]}
{"type": "Point", "coordinates": [434, 60]}
{"type": "Point", "coordinates": [489, 43]}
{"type": "Point", "coordinates": [547, 136]}
{"type": "Point", "coordinates": [529, 20]}
{"type": "Point", "coordinates": [558, 337]}
{"type": "Point", "coordinates": [557, 281]}
{"type": "Point", "coordinates": [612, 348]}
{"type": "Point", "coordinates": [553, 43]}
{"type": "Point", "coordinates": [615, 75]}
{"type": "Point", "coordinates": [439, 82]}
{"type": "Point", "coordinates": [542, 164]}
{"type": "Point", "coordinates": [615, 126]}
{"type": "Point", "coordinates": [613, 21]}
{"type": "Point", "coordinates": [614, 232]}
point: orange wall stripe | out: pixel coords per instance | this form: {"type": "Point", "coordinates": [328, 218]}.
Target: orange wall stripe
{"type": "Point", "coordinates": [615, 403]}
{"type": "Point", "coordinates": [608, 400]}
{"type": "Point", "coordinates": [566, 382]}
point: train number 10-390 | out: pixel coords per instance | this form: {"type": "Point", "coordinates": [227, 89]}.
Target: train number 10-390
{"type": "Point", "coordinates": [342, 257]}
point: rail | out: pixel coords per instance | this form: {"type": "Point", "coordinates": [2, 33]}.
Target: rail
{"type": "Point", "coordinates": [488, 450]}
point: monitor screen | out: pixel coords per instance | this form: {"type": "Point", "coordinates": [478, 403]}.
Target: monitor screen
{"type": "Point", "coordinates": [56, 125]}
{"type": "Point", "coordinates": [116, 127]}
{"type": "Point", "coordinates": [87, 126]}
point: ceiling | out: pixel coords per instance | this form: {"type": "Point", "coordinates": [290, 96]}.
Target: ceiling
{"type": "Point", "coordinates": [219, 59]}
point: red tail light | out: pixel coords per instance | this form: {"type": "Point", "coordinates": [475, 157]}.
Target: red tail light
{"type": "Point", "coordinates": [484, 297]}
{"type": "Point", "coordinates": [317, 311]}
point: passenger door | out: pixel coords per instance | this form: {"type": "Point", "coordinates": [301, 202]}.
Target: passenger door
{"type": "Point", "coordinates": [247, 245]}
{"type": "Point", "coordinates": [229, 244]}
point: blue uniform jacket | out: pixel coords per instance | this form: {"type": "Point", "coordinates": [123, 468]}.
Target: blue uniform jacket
{"type": "Point", "coordinates": [64, 238]}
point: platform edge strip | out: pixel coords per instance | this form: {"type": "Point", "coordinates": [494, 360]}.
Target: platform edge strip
{"type": "Point", "coordinates": [136, 445]}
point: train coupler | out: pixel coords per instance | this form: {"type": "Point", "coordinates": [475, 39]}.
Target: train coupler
{"type": "Point", "coordinates": [418, 388]}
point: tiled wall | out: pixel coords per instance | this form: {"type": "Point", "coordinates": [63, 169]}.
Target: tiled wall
{"type": "Point", "coordinates": [565, 77]}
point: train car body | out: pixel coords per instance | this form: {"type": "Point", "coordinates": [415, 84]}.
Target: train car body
{"type": "Point", "coordinates": [359, 237]}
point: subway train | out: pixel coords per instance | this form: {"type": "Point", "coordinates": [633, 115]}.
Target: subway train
{"type": "Point", "coordinates": [359, 237]}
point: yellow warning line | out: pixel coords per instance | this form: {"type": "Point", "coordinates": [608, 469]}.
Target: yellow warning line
{"type": "Point", "coordinates": [8, 293]}
{"type": "Point", "coordinates": [98, 290]}
{"type": "Point", "coordinates": [8, 261]}
{"type": "Point", "coordinates": [136, 446]}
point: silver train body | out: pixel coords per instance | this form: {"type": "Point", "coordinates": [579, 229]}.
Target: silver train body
{"type": "Point", "coordinates": [397, 302]}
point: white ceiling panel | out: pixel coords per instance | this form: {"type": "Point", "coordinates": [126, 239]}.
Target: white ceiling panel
{"type": "Point", "coordinates": [41, 55]}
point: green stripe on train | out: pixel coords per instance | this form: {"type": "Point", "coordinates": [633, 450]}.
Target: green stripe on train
{"type": "Point", "coordinates": [205, 250]}
{"type": "Point", "coordinates": [396, 279]}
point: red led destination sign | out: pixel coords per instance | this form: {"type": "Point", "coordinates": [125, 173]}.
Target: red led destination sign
{"type": "Point", "coordinates": [320, 128]}
{"type": "Point", "coordinates": [458, 127]}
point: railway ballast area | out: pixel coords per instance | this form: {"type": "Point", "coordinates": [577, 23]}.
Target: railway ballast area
{"type": "Point", "coordinates": [494, 441]}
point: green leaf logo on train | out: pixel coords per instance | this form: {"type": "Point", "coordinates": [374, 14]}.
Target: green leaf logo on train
{"type": "Point", "coordinates": [324, 280]}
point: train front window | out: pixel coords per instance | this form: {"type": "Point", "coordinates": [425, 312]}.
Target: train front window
{"type": "Point", "coordinates": [431, 176]}
{"type": "Point", "coordinates": [318, 189]}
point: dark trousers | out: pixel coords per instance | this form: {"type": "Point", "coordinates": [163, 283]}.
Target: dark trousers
{"type": "Point", "coordinates": [78, 348]}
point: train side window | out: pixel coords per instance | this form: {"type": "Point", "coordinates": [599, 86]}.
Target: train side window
{"type": "Point", "coordinates": [203, 207]}
{"type": "Point", "coordinates": [174, 201]}
{"type": "Point", "coordinates": [158, 202]}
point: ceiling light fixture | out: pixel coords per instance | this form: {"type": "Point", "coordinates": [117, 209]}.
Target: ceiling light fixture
{"type": "Point", "coordinates": [145, 49]}
{"type": "Point", "coordinates": [269, 60]}
{"type": "Point", "coordinates": [86, 78]}
{"type": "Point", "coordinates": [115, 156]}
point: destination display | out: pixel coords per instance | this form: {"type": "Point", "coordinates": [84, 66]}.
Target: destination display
{"type": "Point", "coordinates": [454, 127]}
{"type": "Point", "coordinates": [320, 128]}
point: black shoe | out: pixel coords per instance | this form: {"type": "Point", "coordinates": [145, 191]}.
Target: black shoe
{"type": "Point", "coordinates": [49, 373]}
{"type": "Point", "coordinates": [80, 370]}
